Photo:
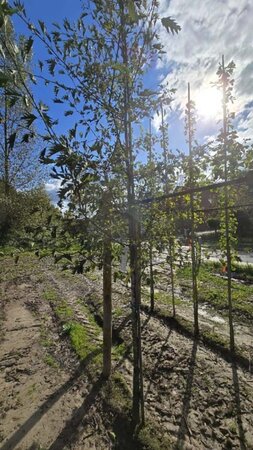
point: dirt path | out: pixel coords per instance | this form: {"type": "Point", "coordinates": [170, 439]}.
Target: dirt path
{"type": "Point", "coordinates": [43, 400]}
{"type": "Point", "coordinates": [198, 400]}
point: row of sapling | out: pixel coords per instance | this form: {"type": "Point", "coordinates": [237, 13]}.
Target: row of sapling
{"type": "Point", "coordinates": [229, 155]}
{"type": "Point", "coordinates": [96, 70]}
{"type": "Point", "coordinates": [107, 66]}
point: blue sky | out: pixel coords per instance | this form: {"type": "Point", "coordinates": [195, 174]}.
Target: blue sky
{"type": "Point", "coordinates": [210, 28]}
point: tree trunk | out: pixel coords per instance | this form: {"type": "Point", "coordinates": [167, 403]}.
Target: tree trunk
{"type": "Point", "coordinates": [6, 148]}
{"type": "Point", "coordinates": [172, 278]}
{"type": "Point", "coordinates": [151, 276]}
{"type": "Point", "coordinates": [151, 272]}
{"type": "Point", "coordinates": [227, 232]}
{"type": "Point", "coordinates": [107, 306]}
{"type": "Point", "coordinates": [193, 246]}
{"type": "Point", "coordinates": [134, 247]}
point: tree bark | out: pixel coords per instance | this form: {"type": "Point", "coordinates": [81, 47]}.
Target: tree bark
{"type": "Point", "coordinates": [172, 278]}
{"type": "Point", "coordinates": [227, 232]}
{"type": "Point", "coordinates": [6, 148]}
{"type": "Point", "coordinates": [193, 253]}
{"type": "Point", "coordinates": [151, 276]}
{"type": "Point", "coordinates": [107, 306]}
{"type": "Point", "coordinates": [134, 247]}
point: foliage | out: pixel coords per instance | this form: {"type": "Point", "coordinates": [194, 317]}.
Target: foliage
{"type": "Point", "coordinates": [21, 213]}
{"type": "Point", "coordinates": [19, 149]}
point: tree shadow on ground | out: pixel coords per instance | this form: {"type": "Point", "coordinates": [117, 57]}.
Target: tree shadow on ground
{"type": "Point", "coordinates": [157, 362]}
{"type": "Point", "coordinates": [48, 404]}
{"type": "Point", "coordinates": [121, 326]}
{"type": "Point", "coordinates": [216, 347]}
{"type": "Point", "coordinates": [238, 411]}
{"type": "Point", "coordinates": [69, 432]}
{"type": "Point", "coordinates": [183, 428]}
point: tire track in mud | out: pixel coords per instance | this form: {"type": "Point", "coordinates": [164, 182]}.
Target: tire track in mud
{"type": "Point", "coordinates": [198, 399]}
{"type": "Point", "coordinates": [43, 405]}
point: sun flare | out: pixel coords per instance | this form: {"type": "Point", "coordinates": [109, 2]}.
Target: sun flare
{"type": "Point", "coordinates": [208, 103]}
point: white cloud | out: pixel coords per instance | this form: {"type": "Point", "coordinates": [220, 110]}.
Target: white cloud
{"type": "Point", "coordinates": [210, 28]}
{"type": "Point", "coordinates": [52, 187]}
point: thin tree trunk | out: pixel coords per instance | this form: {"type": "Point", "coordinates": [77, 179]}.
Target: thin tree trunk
{"type": "Point", "coordinates": [151, 272]}
{"type": "Point", "coordinates": [151, 276]}
{"type": "Point", "coordinates": [166, 192]}
{"type": "Point", "coordinates": [107, 305]}
{"type": "Point", "coordinates": [193, 253]}
{"type": "Point", "coordinates": [172, 278]}
{"type": "Point", "coordinates": [6, 148]}
{"type": "Point", "coordinates": [227, 233]}
{"type": "Point", "coordinates": [138, 397]}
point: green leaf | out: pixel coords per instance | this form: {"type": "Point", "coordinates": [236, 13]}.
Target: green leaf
{"type": "Point", "coordinates": [29, 119]}
{"type": "Point", "coordinates": [132, 11]}
{"type": "Point", "coordinates": [56, 149]}
{"type": "Point", "coordinates": [58, 258]}
{"type": "Point", "coordinates": [56, 25]}
{"type": "Point", "coordinates": [41, 65]}
{"type": "Point", "coordinates": [147, 93]}
{"type": "Point", "coordinates": [12, 93]}
{"type": "Point", "coordinates": [68, 113]}
{"type": "Point", "coordinates": [42, 26]}
{"type": "Point", "coordinates": [58, 100]}
{"type": "Point", "coordinates": [20, 7]}
{"type": "Point", "coordinates": [11, 140]}
{"type": "Point", "coordinates": [26, 138]}
{"type": "Point", "coordinates": [47, 119]}
{"type": "Point", "coordinates": [13, 101]}
{"type": "Point", "coordinates": [4, 79]}
{"type": "Point", "coordinates": [28, 45]}
{"type": "Point", "coordinates": [170, 25]}
{"type": "Point", "coordinates": [2, 51]}
{"type": "Point", "coordinates": [51, 66]}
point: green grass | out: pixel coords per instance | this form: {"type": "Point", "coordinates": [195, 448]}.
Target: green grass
{"type": "Point", "coordinates": [91, 276]}
{"type": "Point", "coordinates": [119, 351]}
{"type": "Point", "coordinates": [118, 397]}
{"type": "Point", "coordinates": [50, 361]}
{"type": "Point", "coordinates": [117, 394]}
{"type": "Point", "coordinates": [213, 290]}
{"type": "Point", "coordinates": [164, 297]}
{"type": "Point", "coordinates": [150, 438]}
{"type": "Point", "coordinates": [7, 250]}
{"type": "Point", "coordinates": [117, 312]}
{"type": "Point", "coordinates": [89, 316]}
{"type": "Point", "coordinates": [80, 339]}
{"type": "Point", "coordinates": [64, 311]}
{"type": "Point", "coordinates": [45, 339]}
{"type": "Point", "coordinates": [50, 295]}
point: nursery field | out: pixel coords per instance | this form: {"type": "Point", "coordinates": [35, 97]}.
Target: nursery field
{"type": "Point", "coordinates": [54, 397]}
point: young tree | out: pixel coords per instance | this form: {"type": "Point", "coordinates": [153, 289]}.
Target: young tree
{"type": "Point", "coordinates": [105, 61]}
{"type": "Point", "coordinates": [190, 122]}
{"type": "Point", "coordinates": [228, 158]}
{"type": "Point", "coordinates": [19, 151]}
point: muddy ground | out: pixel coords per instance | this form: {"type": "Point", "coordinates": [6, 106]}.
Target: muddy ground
{"type": "Point", "coordinates": [50, 398]}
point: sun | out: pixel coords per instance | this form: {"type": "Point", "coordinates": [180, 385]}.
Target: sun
{"type": "Point", "coordinates": [208, 103]}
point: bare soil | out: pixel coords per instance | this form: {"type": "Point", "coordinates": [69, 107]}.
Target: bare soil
{"type": "Point", "coordinates": [50, 400]}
